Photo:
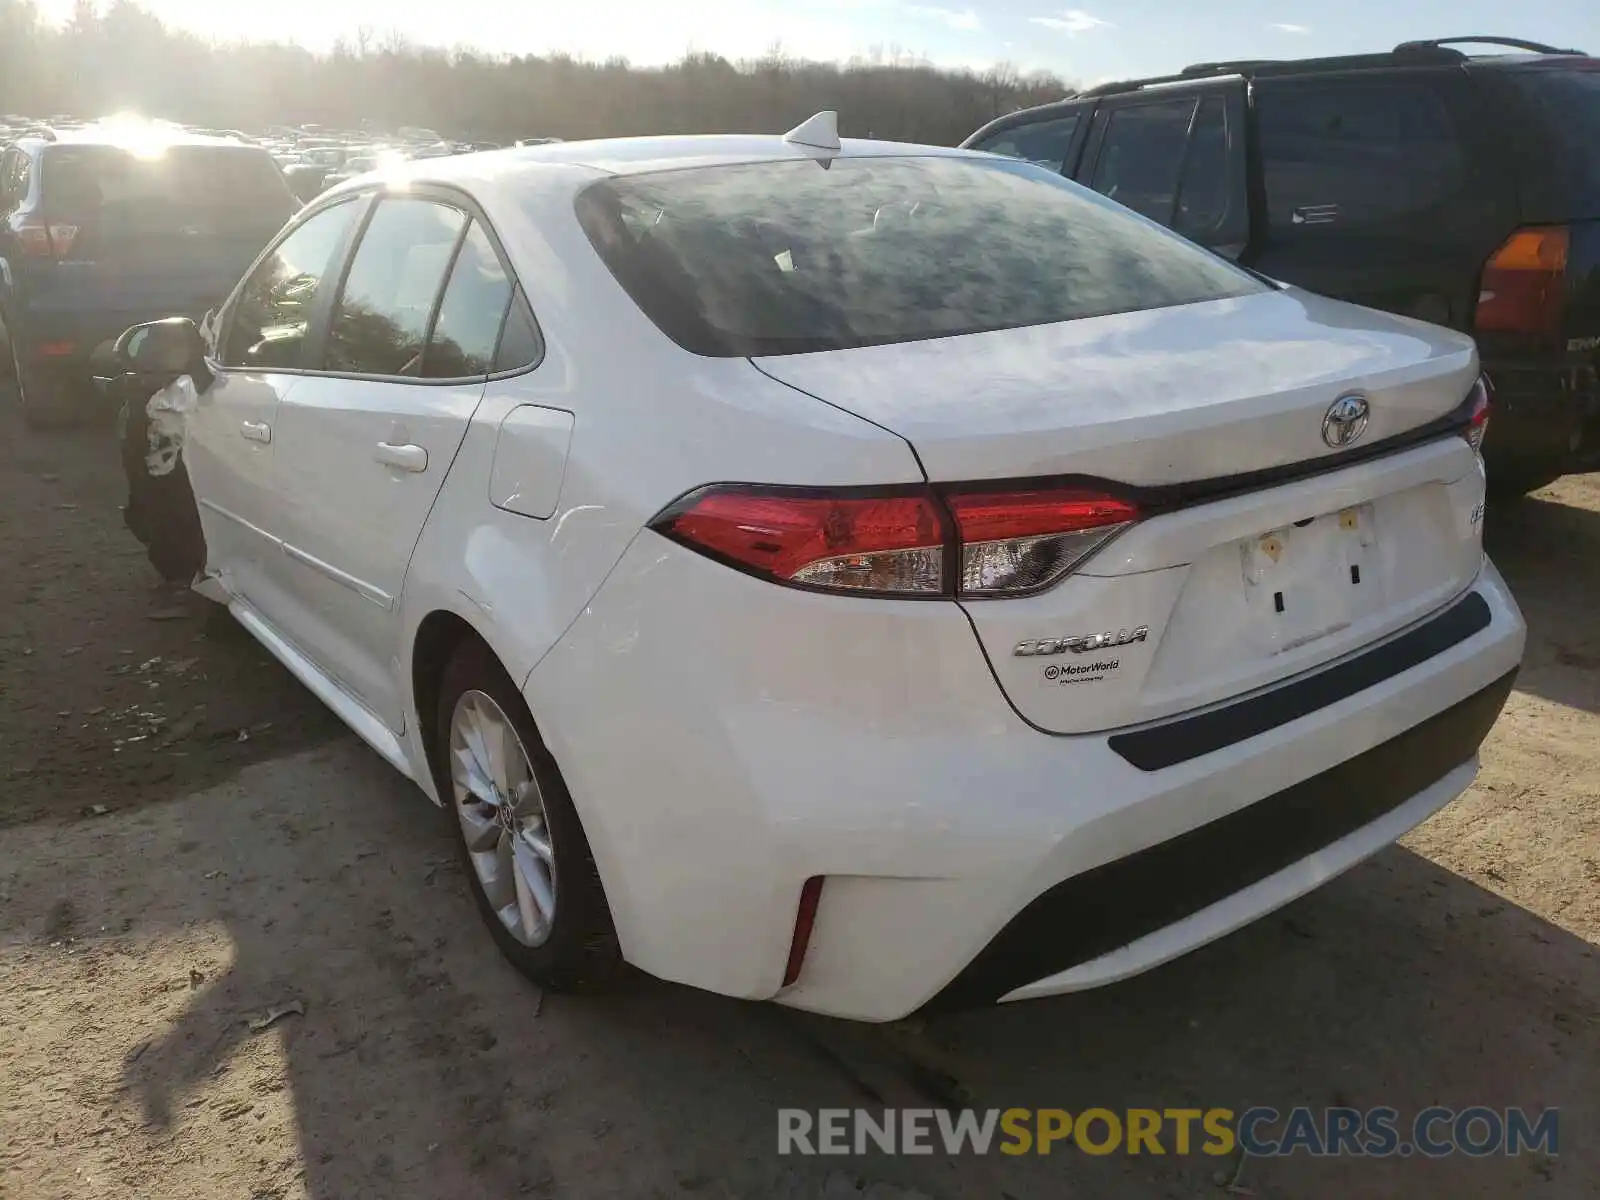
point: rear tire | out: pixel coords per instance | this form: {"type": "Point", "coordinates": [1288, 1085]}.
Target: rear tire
{"type": "Point", "coordinates": [574, 947]}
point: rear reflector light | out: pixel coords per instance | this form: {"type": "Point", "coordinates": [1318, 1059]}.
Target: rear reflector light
{"type": "Point", "coordinates": [1524, 283]}
{"type": "Point", "coordinates": [805, 918]}
{"type": "Point", "coordinates": [56, 349]}
{"type": "Point", "coordinates": [1481, 401]}
{"type": "Point", "coordinates": [900, 542]}
{"type": "Point", "coordinates": [1014, 542]}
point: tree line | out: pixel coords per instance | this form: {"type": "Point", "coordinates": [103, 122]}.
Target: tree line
{"type": "Point", "coordinates": [119, 57]}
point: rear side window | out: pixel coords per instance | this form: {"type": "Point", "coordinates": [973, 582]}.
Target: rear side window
{"type": "Point", "coordinates": [1142, 156]}
{"type": "Point", "coordinates": [381, 318]}
{"type": "Point", "coordinates": [212, 188]}
{"type": "Point", "coordinates": [270, 321]}
{"type": "Point", "coordinates": [797, 256]}
{"type": "Point", "coordinates": [1043, 143]}
{"type": "Point", "coordinates": [521, 344]}
{"type": "Point", "coordinates": [1568, 101]}
{"type": "Point", "coordinates": [1349, 154]}
{"type": "Point", "coordinates": [471, 313]}
{"type": "Point", "coordinates": [1211, 197]}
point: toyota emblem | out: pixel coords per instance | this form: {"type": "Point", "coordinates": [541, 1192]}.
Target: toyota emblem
{"type": "Point", "coordinates": [1345, 421]}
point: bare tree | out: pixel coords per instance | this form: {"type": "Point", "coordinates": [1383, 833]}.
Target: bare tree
{"type": "Point", "coordinates": [378, 80]}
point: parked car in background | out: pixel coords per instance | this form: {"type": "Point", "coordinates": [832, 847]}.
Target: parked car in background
{"type": "Point", "coordinates": [106, 226]}
{"type": "Point", "coordinates": [305, 180]}
{"type": "Point", "coordinates": [913, 581]}
{"type": "Point", "coordinates": [1461, 190]}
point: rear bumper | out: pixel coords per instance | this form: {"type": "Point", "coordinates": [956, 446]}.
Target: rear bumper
{"type": "Point", "coordinates": [1125, 916]}
{"type": "Point", "coordinates": [1546, 417]}
{"type": "Point", "coordinates": [725, 740]}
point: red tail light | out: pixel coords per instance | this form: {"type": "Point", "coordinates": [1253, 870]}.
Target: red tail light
{"type": "Point", "coordinates": [891, 543]}
{"type": "Point", "coordinates": [1524, 283]}
{"type": "Point", "coordinates": [1481, 400]}
{"type": "Point", "coordinates": [900, 542]}
{"type": "Point", "coordinates": [42, 239]}
{"type": "Point", "coordinates": [1014, 542]}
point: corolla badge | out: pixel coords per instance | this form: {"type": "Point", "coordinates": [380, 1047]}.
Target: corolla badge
{"type": "Point", "coordinates": [1081, 645]}
{"type": "Point", "coordinates": [1346, 420]}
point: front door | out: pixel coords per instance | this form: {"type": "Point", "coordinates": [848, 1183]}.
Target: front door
{"type": "Point", "coordinates": [364, 447]}
{"type": "Point", "coordinates": [229, 440]}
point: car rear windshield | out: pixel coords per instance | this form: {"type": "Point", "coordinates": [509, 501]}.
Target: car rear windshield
{"type": "Point", "coordinates": [798, 256]}
{"type": "Point", "coordinates": [219, 186]}
{"type": "Point", "coordinates": [1568, 97]}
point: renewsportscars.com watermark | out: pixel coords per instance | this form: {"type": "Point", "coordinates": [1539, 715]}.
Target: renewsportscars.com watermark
{"type": "Point", "coordinates": [1257, 1132]}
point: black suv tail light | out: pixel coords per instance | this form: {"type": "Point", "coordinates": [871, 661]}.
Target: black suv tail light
{"type": "Point", "coordinates": [46, 239]}
{"type": "Point", "coordinates": [1524, 283]}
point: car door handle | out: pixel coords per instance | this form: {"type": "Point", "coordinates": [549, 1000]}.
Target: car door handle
{"type": "Point", "coordinates": [256, 431]}
{"type": "Point", "coordinates": [406, 457]}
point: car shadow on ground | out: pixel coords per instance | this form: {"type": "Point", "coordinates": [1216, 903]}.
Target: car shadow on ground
{"type": "Point", "coordinates": [1549, 552]}
{"type": "Point", "coordinates": [423, 1066]}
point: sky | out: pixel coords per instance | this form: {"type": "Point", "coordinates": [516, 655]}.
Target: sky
{"type": "Point", "coordinates": [1106, 40]}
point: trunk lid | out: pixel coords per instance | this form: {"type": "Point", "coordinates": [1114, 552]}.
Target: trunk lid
{"type": "Point", "coordinates": [1221, 590]}
{"type": "Point", "coordinates": [1198, 391]}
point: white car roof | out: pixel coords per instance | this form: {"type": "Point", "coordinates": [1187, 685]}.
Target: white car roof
{"type": "Point", "coordinates": [494, 170]}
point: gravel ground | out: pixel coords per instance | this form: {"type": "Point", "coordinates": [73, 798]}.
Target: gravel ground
{"type": "Point", "coordinates": [237, 959]}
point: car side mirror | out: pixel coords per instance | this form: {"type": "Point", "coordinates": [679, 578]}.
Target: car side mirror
{"type": "Point", "coordinates": [170, 347]}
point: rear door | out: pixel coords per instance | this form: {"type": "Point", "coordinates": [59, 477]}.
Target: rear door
{"type": "Point", "coordinates": [365, 444]}
{"type": "Point", "coordinates": [1380, 189]}
{"type": "Point", "coordinates": [1177, 158]}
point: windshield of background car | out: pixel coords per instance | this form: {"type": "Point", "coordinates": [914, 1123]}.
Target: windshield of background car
{"type": "Point", "coordinates": [217, 188]}
{"type": "Point", "coordinates": [798, 256]}
{"type": "Point", "coordinates": [1569, 99]}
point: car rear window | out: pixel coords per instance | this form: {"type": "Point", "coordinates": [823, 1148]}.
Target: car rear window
{"type": "Point", "coordinates": [799, 256]}
{"type": "Point", "coordinates": [1568, 98]}
{"type": "Point", "coordinates": [226, 185]}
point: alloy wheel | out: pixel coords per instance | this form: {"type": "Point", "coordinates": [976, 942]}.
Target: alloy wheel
{"type": "Point", "coordinates": [503, 820]}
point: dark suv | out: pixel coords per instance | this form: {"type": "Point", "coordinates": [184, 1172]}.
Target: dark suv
{"type": "Point", "coordinates": [1460, 190]}
{"type": "Point", "coordinates": [103, 228]}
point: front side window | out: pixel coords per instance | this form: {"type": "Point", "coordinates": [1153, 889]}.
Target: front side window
{"type": "Point", "coordinates": [381, 318]}
{"type": "Point", "coordinates": [270, 322]}
{"type": "Point", "coordinates": [796, 256]}
{"type": "Point", "coordinates": [1043, 143]}
{"type": "Point", "coordinates": [471, 313]}
{"type": "Point", "coordinates": [1141, 157]}
{"type": "Point", "coordinates": [1355, 153]}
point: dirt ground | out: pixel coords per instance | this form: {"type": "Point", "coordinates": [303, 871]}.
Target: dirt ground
{"type": "Point", "coordinates": [237, 960]}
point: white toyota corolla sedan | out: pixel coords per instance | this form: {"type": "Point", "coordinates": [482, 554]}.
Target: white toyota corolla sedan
{"type": "Point", "coordinates": [861, 575]}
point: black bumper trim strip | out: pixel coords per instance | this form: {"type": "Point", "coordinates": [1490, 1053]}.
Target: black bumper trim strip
{"type": "Point", "coordinates": [1158, 746]}
{"type": "Point", "coordinates": [1109, 906]}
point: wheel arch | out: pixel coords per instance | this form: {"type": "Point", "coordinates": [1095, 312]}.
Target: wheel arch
{"type": "Point", "coordinates": [439, 635]}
